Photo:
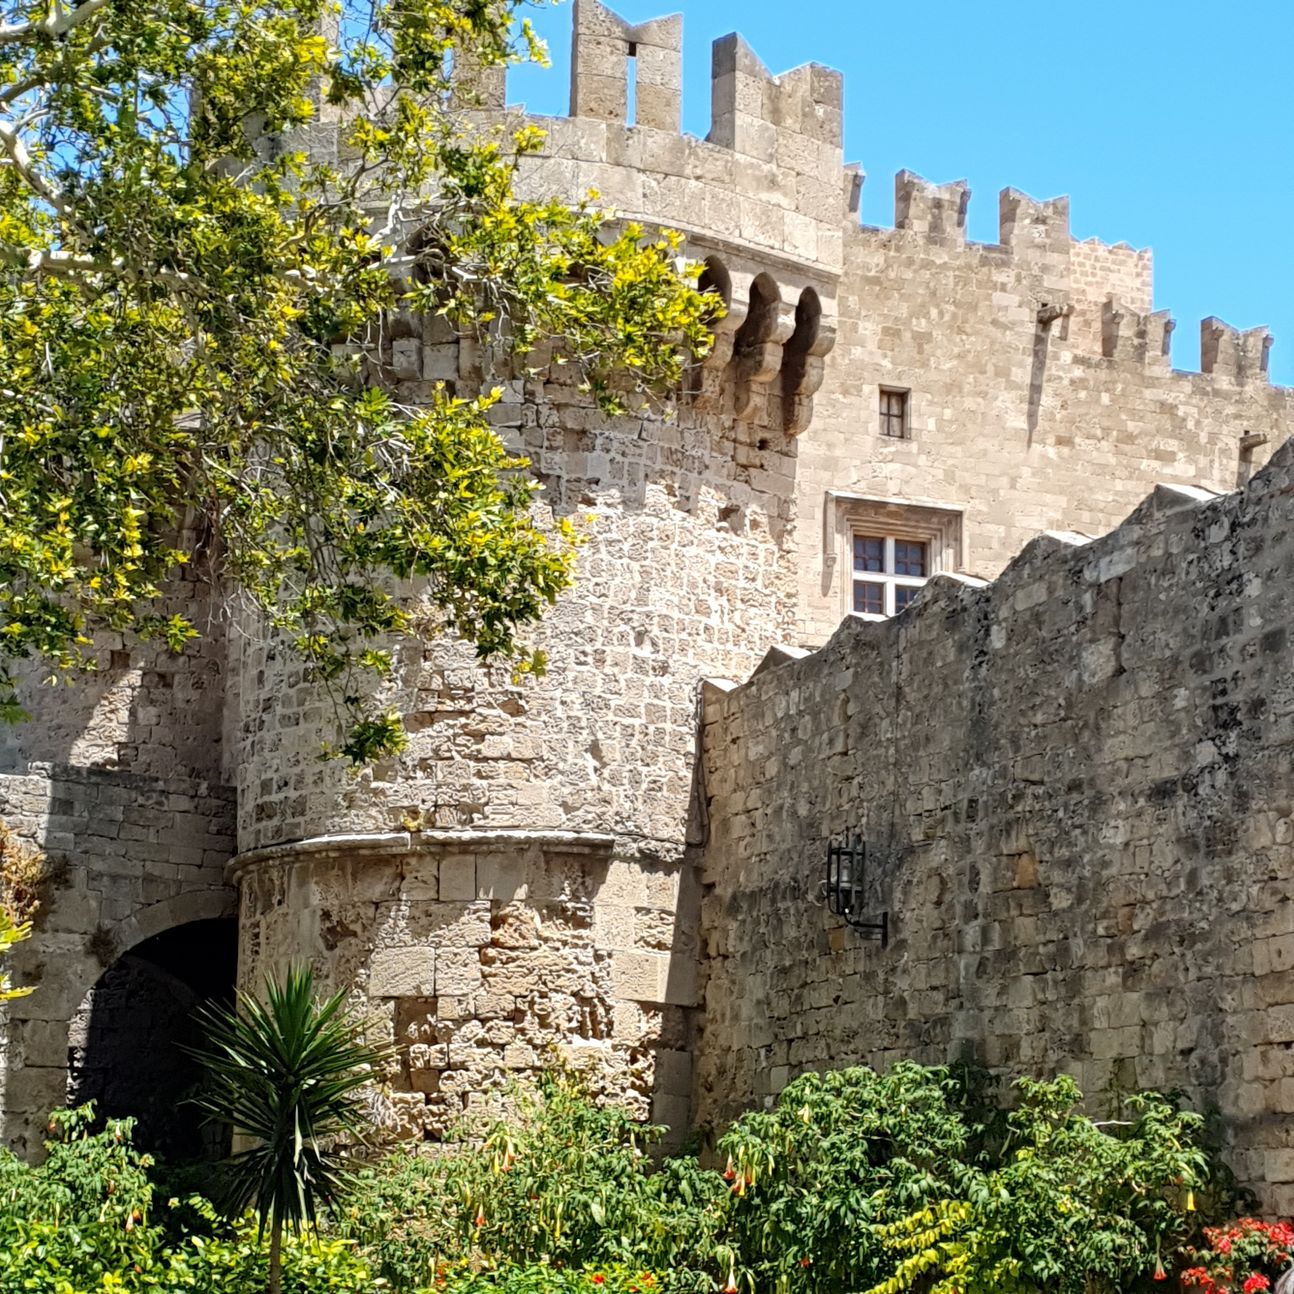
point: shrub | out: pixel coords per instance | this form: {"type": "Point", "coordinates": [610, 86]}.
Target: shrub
{"type": "Point", "coordinates": [1243, 1257]}
{"type": "Point", "coordinates": [1068, 1204]}
{"type": "Point", "coordinates": [541, 1278]}
{"type": "Point", "coordinates": [563, 1182]}
{"type": "Point", "coordinates": [909, 1180]}
{"type": "Point", "coordinates": [83, 1222]}
{"type": "Point", "coordinates": [82, 1217]}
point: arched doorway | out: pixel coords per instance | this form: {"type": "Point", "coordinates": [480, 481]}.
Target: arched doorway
{"type": "Point", "coordinates": [125, 1040]}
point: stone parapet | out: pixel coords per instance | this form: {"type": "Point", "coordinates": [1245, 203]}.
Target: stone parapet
{"type": "Point", "coordinates": [486, 955]}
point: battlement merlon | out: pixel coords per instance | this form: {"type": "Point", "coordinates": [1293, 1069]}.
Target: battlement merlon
{"type": "Point", "coordinates": [767, 191]}
{"type": "Point", "coordinates": [936, 210]}
{"type": "Point", "coordinates": [749, 106]}
{"type": "Point", "coordinates": [606, 51]}
{"type": "Point", "coordinates": [1233, 353]}
{"type": "Point", "coordinates": [765, 185]}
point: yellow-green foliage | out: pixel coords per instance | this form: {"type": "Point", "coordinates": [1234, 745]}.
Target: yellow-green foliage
{"type": "Point", "coordinates": [10, 934]}
{"type": "Point", "coordinates": [172, 310]}
{"type": "Point", "coordinates": [23, 874]}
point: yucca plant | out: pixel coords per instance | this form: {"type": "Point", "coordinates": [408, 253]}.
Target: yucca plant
{"type": "Point", "coordinates": [285, 1074]}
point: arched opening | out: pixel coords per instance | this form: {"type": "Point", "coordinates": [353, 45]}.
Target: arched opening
{"type": "Point", "coordinates": [715, 278]}
{"type": "Point", "coordinates": [125, 1040]}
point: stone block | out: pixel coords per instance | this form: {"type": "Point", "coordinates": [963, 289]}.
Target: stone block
{"type": "Point", "coordinates": [403, 972]}
{"type": "Point", "coordinates": [458, 972]}
{"type": "Point", "coordinates": [458, 878]}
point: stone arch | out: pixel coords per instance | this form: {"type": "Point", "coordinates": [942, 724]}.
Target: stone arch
{"type": "Point", "coordinates": [64, 968]}
{"type": "Point", "coordinates": [126, 1036]}
{"type": "Point", "coordinates": [716, 278]}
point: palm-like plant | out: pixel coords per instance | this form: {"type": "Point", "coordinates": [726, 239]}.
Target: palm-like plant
{"type": "Point", "coordinates": [285, 1074]}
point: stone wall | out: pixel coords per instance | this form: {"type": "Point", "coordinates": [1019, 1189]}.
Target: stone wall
{"type": "Point", "coordinates": [1041, 391]}
{"type": "Point", "coordinates": [1077, 790]}
{"type": "Point", "coordinates": [488, 955]}
{"type": "Point", "coordinates": [1040, 397]}
{"type": "Point", "coordinates": [684, 573]}
{"type": "Point", "coordinates": [521, 875]}
{"type": "Point", "coordinates": [132, 856]}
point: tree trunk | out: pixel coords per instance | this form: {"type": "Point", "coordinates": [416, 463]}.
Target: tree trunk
{"type": "Point", "coordinates": [276, 1256]}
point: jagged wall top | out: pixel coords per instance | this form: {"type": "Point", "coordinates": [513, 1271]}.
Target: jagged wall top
{"type": "Point", "coordinates": [749, 106]}
{"type": "Point", "coordinates": [769, 180]}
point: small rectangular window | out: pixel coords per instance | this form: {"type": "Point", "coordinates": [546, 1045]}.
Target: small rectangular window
{"type": "Point", "coordinates": [888, 572]}
{"type": "Point", "coordinates": [869, 553]}
{"type": "Point", "coordinates": [894, 413]}
{"type": "Point", "coordinates": [909, 558]}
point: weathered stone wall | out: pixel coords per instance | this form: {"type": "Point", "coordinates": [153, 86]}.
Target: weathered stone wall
{"type": "Point", "coordinates": [118, 777]}
{"type": "Point", "coordinates": [1021, 419]}
{"type": "Point", "coordinates": [132, 856]}
{"type": "Point", "coordinates": [489, 954]}
{"type": "Point", "coordinates": [520, 876]}
{"type": "Point", "coordinates": [689, 568]}
{"type": "Point", "coordinates": [142, 709]}
{"type": "Point", "coordinates": [684, 574]}
{"type": "Point", "coordinates": [1040, 397]}
{"type": "Point", "coordinates": [1077, 791]}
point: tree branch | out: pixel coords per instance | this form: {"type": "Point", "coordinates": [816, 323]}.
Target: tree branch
{"type": "Point", "coordinates": [59, 23]}
{"type": "Point", "coordinates": [17, 153]}
{"type": "Point", "coordinates": [65, 266]}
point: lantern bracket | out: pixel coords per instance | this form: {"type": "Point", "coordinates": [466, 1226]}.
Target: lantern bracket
{"type": "Point", "coordinates": [844, 885]}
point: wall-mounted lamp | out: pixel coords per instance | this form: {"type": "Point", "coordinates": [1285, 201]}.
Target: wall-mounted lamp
{"type": "Point", "coordinates": [846, 874]}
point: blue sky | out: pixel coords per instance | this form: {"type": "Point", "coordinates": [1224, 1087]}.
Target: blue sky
{"type": "Point", "coordinates": [1169, 122]}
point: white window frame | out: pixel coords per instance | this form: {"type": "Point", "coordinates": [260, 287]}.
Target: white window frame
{"type": "Point", "coordinates": [846, 514]}
{"type": "Point", "coordinates": [887, 579]}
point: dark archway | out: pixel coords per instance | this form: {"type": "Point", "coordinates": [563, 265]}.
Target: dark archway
{"type": "Point", "coordinates": [125, 1041]}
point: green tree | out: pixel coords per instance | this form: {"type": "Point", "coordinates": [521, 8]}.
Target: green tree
{"type": "Point", "coordinates": [11, 934]}
{"type": "Point", "coordinates": [286, 1075]}
{"type": "Point", "coordinates": [193, 316]}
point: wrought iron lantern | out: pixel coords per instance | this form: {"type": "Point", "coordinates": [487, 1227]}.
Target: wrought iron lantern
{"type": "Point", "coordinates": [846, 876]}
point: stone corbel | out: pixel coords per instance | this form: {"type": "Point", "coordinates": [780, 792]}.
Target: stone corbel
{"type": "Point", "coordinates": [804, 362]}
{"type": "Point", "coordinates": [757, 349]}
{"type": "Point", "coordinates": [1050, 311]}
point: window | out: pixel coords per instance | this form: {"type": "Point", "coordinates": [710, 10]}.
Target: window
{"type": "Point", "coordinates": [880, 551]}
{"type": "Point", "coordinates": [887, 572]}
{"type": "Point", "coordinates": [894, 413]}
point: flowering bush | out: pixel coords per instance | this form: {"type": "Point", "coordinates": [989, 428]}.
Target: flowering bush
{"type": "Point", "coordinates": [1242, 1257]}
{"type": "Point", "coordinates": [86, 1222]}
{"type": "Point", "coordinates": [909, 1182]}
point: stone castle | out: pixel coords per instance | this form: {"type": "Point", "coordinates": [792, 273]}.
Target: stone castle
{"type": "Point", "coordinates": [1054, 578]}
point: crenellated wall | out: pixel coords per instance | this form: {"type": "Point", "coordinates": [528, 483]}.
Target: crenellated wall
{"type": "Point", "coordinates": [1076, 787]}
{"type": "Point", "coordinates": [1041, 395]}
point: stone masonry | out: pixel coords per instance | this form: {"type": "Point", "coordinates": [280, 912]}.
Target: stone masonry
{"type": "Point", "coordinates": [1076, 786]}
{"type": "Point", "coordinates": [524, 878]}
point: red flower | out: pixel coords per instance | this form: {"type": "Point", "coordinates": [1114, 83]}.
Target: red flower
{"type": "Point", "coordinates": [1256, 1282]}
{"type": "Point", "coordinates": [806, 1262]}
{"type": "Point", "coordinates": [599, 1279]}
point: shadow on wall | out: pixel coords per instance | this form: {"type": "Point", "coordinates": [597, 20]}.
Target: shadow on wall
{"type": "Point", "coordinates": [142, 710]}
{"type": "Point", "coordinates": [124, 1044]}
